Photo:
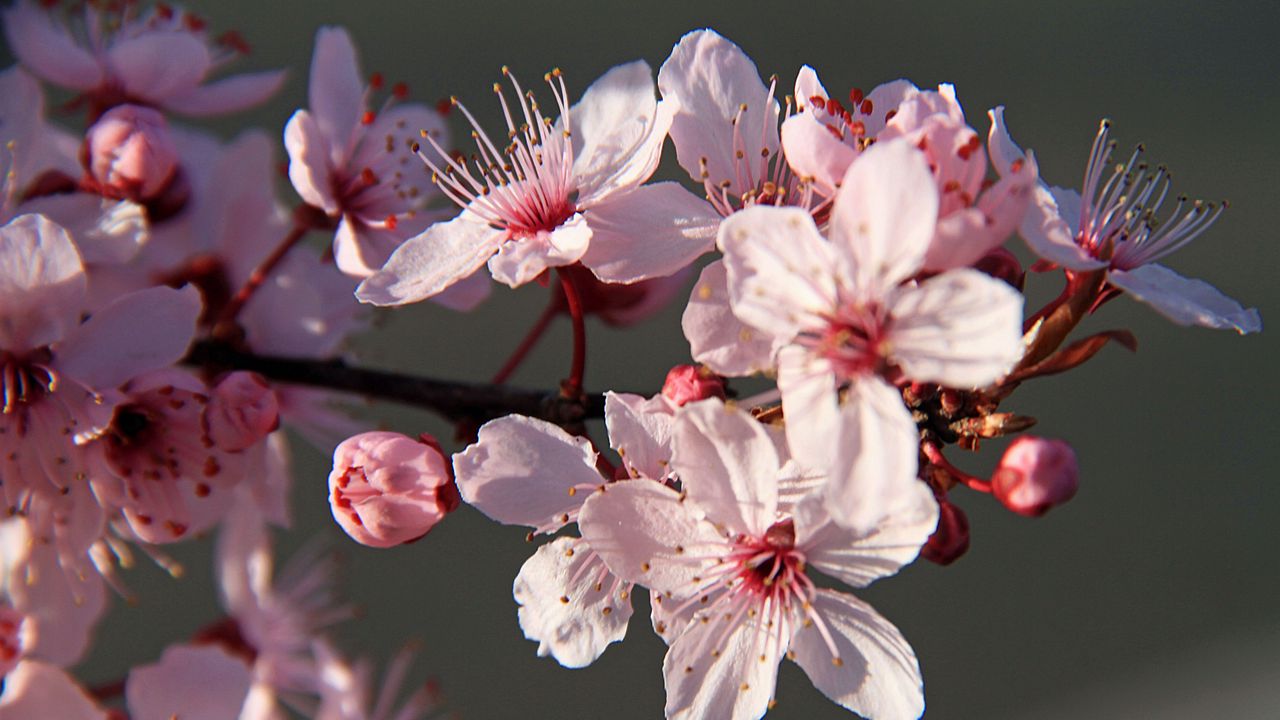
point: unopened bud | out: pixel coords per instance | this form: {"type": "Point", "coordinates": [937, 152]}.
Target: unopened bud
{"type": "Point", "coordinates": [690, 383]}
{"type": "Point", "coordinates": [130, 151]}
{"type": "Point", "coordinates": [387, 489]}
{"type": "Point", "coordinates": [1036, 474]}
{"type": "Point", "coordinates": [241, 411]}
{"type": "Point", "coordinates": [951, 539]}
{"type": "Point", "coordinates": [1002, 265]}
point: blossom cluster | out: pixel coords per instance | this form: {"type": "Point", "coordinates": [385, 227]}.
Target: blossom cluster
{"type": "Point", "coordinates": [163, 319]}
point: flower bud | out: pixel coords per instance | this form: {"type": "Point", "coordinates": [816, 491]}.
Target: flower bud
{"type": "Point", "coordinates": [951, 539]}
{"type": "Point", "coordinates": [130, 151]}
{"type": "Point", "coordinates": [1002, 265]}
{"type": "Point", "coordinates": [1035, 474]}
{"type": "Point", "coordinates": [242, 411]}
{"type": "Point", "coordinates": [689, 383]}
{"type": "Point", "coordinates": [387, 489]}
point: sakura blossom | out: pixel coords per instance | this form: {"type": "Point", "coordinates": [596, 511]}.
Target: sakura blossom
{"type": "Point", "coordinates": [730, 558]}
{"type": "Point", "coordinates": [1116, 223]}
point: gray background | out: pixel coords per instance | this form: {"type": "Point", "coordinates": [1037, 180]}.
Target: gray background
{"type": "Point", "coordinates": [1153, 594]}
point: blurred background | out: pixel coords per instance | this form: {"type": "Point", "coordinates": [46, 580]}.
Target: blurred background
{"type": "Point", "coordinates": [1152, 594]}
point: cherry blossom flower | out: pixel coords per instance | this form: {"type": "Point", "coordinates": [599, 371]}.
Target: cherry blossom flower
{"type": "Point", "coordinates": [117, 53]}
{"type": "Point", "coordinates": [730, 558]}
{"type": "Point", "coordinates": [354, 162]}
{"type": "Point", "coordinates": [846, 318]}
{"type": "Point", "coordinates": [556, 194]}
{"type": "Point", "coordinates": [197, 682]}
{"type": "Point", "coordinates": [1117, 223]}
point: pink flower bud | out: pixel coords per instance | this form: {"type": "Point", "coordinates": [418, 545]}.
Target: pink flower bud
{"type": "Point", "coordinates": [689, 383]}
{"type": "Point", "coordinates": [951, 539]}
{"type": "Point", "coordinates": [242, 411]}
{"type": "Point", "coordinates": [130, 151]}
{"type": "Point", "coordinates": [386, 489]}
{"type": "Point", "coordinates": [1035, 474]}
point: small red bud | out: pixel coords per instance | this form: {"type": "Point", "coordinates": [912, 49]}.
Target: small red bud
{"type": "Point", "coordinates": [951, 539]}
{"type": "Point", "coordinates": [1036, 474]}
{"type": "Point", "coordinates": [689, 383]}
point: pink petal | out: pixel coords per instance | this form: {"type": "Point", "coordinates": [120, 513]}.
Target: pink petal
{"type": "Point", "coordinates": [105, 231]}
{"type": "Point", "coordinates": [884, 216]}
{"type": "Point", "coordinates": [157, 65]}
{"type": "Point", "coordinates": [711, 78]}
{"type": "Point", "coordinates": [428, 263]}
{"type": "Point", "coordinates": [640, 430]}
{"type": "Point", "coordinates": [808, 85]}
{"type": "Point", "coordinates": [522, 471]}
{"type": "Point", "coordinates": [618, 132]}
{"type": "Point", "coordinates": [1185, 301]}
{"type": "Point", "coordinates": [191, 682]}
{"type": "Point", "coordinates": [570, 604]}
{"type": "Point", "coordinates": [875, 465]}
{"type": "Point", "coordinates": [648, 232]}
{"type": "Point", "coordinates": [1049, 229]}
{"type": "Point", "coordinates": [310, 170]}
{"type": "Point", "coordinates": [1004, 152]}
{"type": "Point", "coordinates": [728, 465]}
{"type": "Point", "coordinates": [878, 675]}
{"type": "Point", "coordinates": [809, 403]}
{"type": "Point", "coordinates": [360, 250]}
{"type": "Point", "coordinates": [813, 152]}
{"type": "Point", "coordinates": [717, 338]}
{"type": "Point", "coordinates": [36, 690]}
{"type": "Point", "coordinates": [718, 671]}
{"type": "Point", "coordinates": [522, 259]}
{"type": "Point", "coordinates": [859, 559]}
{"type": "Point", "coordinates": [63, 601]}
{"type": "Point", "coordinates": [228, 95]}
{"type": "Point", "coordinates": [145, 330]}
{"type": "Point", "coordinates": [335, 90]}
{"type": "Point", "coordinates": [962, 329]}
{"type": "Point", "coordinates": [780, 270]}
{"type": "Point", "coordinates": [42, 283]}
{"type": "Point", "coordinates": [648, 534]}
{"type": "Point", "coordinates": [47, 49]}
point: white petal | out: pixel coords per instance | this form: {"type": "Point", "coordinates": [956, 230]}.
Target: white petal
{"type": "Point", "coordinates": [191, 682]}
{"type": "Point", "coordinates": [228, 95]}
{"type": "Point", "coordinates": [335, 90]}
{"type": "Point", "coordinates": [809, 404]}
{"type": "Point", "coordinates": [876, 458]}
{"type": "Point", "coordinates": [717, 338]}
{"type": "Point", "coordinates": [42, 283]}
{"type": "Point", "coordinates": [570, 603]}
{"type": "Point", "coordinates": [1049, 228]}
{"type": "Point", "coordinates": [808, 85]}
{"type": "Point", "coordinates": [1185, 301]}
{"type": "Point", "coordinates": [360, 250]}
{"type": "Point", "coordinates": [648, 534]}
{"type": "Point", "coordinates": [428, 263]}
{"type": "Point", "coordinates": [1000, 146]}
{"type": "Point", "coordinates": [878, 675]}
{"type": "Point", "coordinates": [63, 601]}
{"type": "Point", "coordinates": [154, 66]}
{"type": "Point", "coordinates": [962, 329]}
{"type": "Point", "coordinates": [884, 216]}
{"type": "Point", "coordinates": [617, 132]}
{"type": "Point", "coordinates": [718, 670]}
{"type": "Point", "coordinates": [310, 170]}
{"type": "Point", "coordinates": [859, 559]}
{"type": "Point", "coordinates": [728, 464]}
{"type": "Point", "coordinates": [522, 259]}
{"type": "Point", "coordinates": [711, 78]}
{"type": "Point", "coordinates": [779, 270]}
{"type": "Point", "coordinates": [105, 231]}
{"type": "Point", "coordinates": [640, 430]}
{"type": "Point", "coordinates": [47, 49]}
{"type": "Point", "coordinates": [813, 152]}
{"type": "Point", "coordinates": [523, 471]}
{"type": "Point", "coordinates": [36, 690]}
{"type": "Point", "coordinates": [145, 330]}
{"type": "Point", "coordinates": [647, 232]}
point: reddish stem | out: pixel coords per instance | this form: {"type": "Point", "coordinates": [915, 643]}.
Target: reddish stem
{"type": "Point", "coordinates": [302, 222]}
{"type": "Point", "coordinates": [573, 385]}
{"type": "Point", "coordinates": [1044, 312]}
{"type": "Point", "coordinates": [107, 691]}
{"type": "Point", "coordinates": [527, 344]}
{"type": "Point", "coordinates": [937, 459]}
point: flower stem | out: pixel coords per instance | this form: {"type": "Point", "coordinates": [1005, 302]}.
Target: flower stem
{"type": "Point", "coordinates": [572, 386]}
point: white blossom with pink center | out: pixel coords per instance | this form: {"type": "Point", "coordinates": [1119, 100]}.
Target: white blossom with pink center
{"type": "Point", "coordinates": [1117, 223]}
{"type": "Point", "coordinates": [115, 52]}
{"type": "Point", "coordinates": [556, 193]}
{"type": "Point", "coordinates": [523, 471]}
{"type": "Point", "coordinates": [355, 162]}
{"type": "Point", "coordinates": [730, 559]}
{"type": "Point", "coordinates": [847, 319]}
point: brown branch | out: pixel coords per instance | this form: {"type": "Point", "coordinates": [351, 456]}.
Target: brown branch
{"type": "Point", "coordinates": [453, 400]}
